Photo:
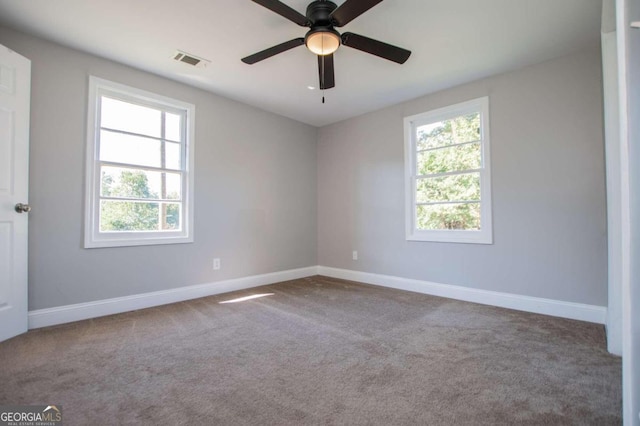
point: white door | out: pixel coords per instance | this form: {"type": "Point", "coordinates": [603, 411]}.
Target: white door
{"type": "Point", "coordinates": [15, 86]}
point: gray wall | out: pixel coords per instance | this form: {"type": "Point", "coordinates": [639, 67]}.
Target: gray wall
{"type": "Point", "coordinates": [255, 188]}
{"type": "Point", "coordinates": [549, 207]}
{"type": "Point", "coordinates": [258, 207]}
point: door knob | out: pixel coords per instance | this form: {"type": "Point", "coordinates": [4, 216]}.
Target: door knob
{"type": "Point", "coordinates": [23, 208]}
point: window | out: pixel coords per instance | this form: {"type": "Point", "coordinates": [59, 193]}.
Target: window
{"type": "Point", "coordinates": [448, 182]}
{"type": "Point", "coordinates": [139, 167]}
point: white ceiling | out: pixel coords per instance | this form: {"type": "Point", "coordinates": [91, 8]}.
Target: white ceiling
{"type": "Point", "coordinates": [453, 42]}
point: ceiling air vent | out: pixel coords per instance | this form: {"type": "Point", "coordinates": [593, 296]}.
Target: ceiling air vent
{"type": "Point", "coordinates": [190, 59]}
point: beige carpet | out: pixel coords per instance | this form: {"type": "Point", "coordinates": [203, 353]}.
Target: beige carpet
{"type": "Point", "coordinates": [318, 351]}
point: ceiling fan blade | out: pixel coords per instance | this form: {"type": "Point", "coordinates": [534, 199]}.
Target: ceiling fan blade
{"type": "Point", "coordinates": [325, 71]}
{"type": "Point", "coordinates": [375, 47]}
{"type": "Point", "coordinates": [350, 10]}
{"type": "Point", "coordinates": [284, 11]}
{"type": "Point", "coordinates": [267, 53]}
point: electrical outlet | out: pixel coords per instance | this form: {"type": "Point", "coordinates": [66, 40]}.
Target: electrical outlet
{"type": "Point", "coordinates": [355, 255]}
{"type": "Point", "coordinates": [216, 264]}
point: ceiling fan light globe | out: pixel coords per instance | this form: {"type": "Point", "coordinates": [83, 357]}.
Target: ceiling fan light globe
{"type": "Point", "coordinates": [322, 42]}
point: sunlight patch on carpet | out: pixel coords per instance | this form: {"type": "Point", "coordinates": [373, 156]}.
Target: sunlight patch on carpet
{"type": "Point", "coordinates": [244, 299]}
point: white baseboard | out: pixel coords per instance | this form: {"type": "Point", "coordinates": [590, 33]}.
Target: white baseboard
{"type": "Point", "coordinates": [556, 308]}
{"type": "Point", "coordinates": [69, 313]}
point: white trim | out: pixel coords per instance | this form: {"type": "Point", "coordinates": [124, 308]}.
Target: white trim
{"type": "Point", "coordinates": [629, 417]}
{"type": "Point", "coordinates": [485, 234]}
{"type": "Point", "coordinates": [95, 239]}
{"type": "Point", "coordinates": [80, 311]}
{"type": "Point", "coordinates": [556, 308]}
{"type": "Point", "coordinates": [613, 182]}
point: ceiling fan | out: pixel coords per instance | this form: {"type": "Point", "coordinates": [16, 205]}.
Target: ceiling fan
{"type": "Point", "coordinates": [322, 38]}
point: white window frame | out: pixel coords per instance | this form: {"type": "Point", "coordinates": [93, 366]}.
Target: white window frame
{"type": "Point", "coordinates": [93, 238]}
{"type": "Point", "coordinates": [485, 234]}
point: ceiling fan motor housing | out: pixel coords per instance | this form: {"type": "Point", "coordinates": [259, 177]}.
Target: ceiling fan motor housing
{"type": "Point", "coordinates": [322, 38]}
{"type": "Point", "coordinates": [319, 13]}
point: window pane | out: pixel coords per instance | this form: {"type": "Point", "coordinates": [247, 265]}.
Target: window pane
{"type": "Point", "coordinates": [449, 216]}
{"type": "Point", "coordinates": [465, 128]}
{"type": "Point", "coordinates": [140, 151]}
{"type": "Point", "coordinates": [132, 118]}
{"type": "Point", "coordinates": [465, 187]}
{"type": "Point", "coordinates": [120, 216]}
{"type": "Point", "coordinates": [450, 159]}
{"type": "Point", "coordinates": [173, 156]}
{"type": "Point", "coordinates": [172, 127]}
{"type": "Point", "coordinates": [128, 149]}
{"type": "Point", "coordinates": [171, 214]}
{"type": "Point", "coordinates": [128, 216]}
{"type": "Point", "coordinates": [132, 183]}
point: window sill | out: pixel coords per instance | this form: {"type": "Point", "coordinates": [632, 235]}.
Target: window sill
{"type": "Point", "coordinates": [132, 242]}
{"type": "Point", "coordinates": [464, 237]}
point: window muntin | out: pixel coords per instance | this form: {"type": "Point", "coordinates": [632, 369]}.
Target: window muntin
{"type": "Point", "coordinates": [448, 188]}
{"type": "Point", "coordinates": [139, 161]}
